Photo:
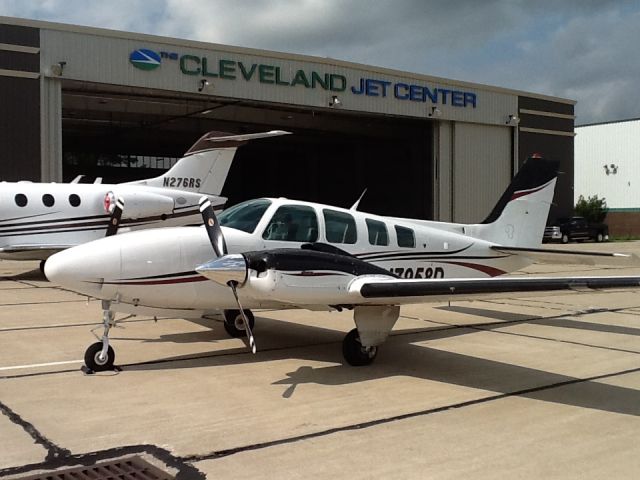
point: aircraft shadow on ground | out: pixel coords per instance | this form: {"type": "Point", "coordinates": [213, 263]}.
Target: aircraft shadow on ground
{"type": "Point", "coordinates": [400, 356]}
{"type": "Point", "coordinates": [551, 322]}
{"type": "Point", "coordinates": [34, 274]}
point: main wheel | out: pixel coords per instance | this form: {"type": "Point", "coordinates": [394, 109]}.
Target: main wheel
{"type": "Point", "coordinates": [234, 325]}
{"type": "Point", "coordinates": [565, 238]}
{"type": "Point", "coordinates": [353, 351]}
{"type": "Point", "coordinates": [93, 361]}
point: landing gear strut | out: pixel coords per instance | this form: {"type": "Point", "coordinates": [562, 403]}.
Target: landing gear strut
{"type": "Point", "coordinates": [234, 325]}
{"type": "Point", "coordinates": [100, 355]}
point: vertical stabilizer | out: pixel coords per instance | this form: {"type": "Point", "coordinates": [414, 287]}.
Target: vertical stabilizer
{"type": "Point", "coordinates": [205, 166]}
{"type": "Point", "coordinates": [519, 217]}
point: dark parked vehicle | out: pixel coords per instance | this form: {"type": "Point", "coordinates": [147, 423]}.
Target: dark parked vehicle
{"type": "Point", "coordinates": [575, 229]}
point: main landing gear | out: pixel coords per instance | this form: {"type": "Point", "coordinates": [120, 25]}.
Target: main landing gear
{"type": "Point", "coordinates": [100, 355]}
{"type": "Point", "coordinates": [234, 325]}
{"type": "Point", "coordinates": [374, 323]}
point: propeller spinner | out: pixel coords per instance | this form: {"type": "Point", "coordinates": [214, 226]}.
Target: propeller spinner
{"type": "Point", "coordinates": [229, 270]}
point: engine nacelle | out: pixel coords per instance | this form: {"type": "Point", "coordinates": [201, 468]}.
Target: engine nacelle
{"type": "Point", "coordinates": [140, 204]}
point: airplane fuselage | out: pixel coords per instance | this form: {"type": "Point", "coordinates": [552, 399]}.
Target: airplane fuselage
{"type": "Point", "coordinates": [156, 269]}
{"type": "Point", "coordinates": [38, 219]}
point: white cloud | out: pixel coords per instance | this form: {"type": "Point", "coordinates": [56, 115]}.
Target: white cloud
{"type": "Point", "coordinates": [580, 49]}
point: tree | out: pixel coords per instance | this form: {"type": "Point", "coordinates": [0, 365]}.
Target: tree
{"type": "Point", "coordinates": [594, 209]}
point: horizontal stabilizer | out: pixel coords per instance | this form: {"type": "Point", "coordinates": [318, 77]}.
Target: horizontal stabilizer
{"type": "Point", "coordinates": [572, 257]}
{"type": "Point", "coordinates": [248, 136]}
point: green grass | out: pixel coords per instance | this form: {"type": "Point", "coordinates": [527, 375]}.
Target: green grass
{"type": "Point", "coordinates": [623, 238]}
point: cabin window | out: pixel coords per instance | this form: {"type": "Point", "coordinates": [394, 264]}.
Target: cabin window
{"type": "Point", "coordinates": [293, 223]}
{"type": "Point", "coordinates": [47, 200]}
{"type": "Point", "coordinates": [21, 200]}
{"type": "Point", "coordinates": [341, 227]}
{"type": "Point", "coordinates": [74, 200]}
{"type": "Point", "coordinates": [244, 216]}
{"type": "Point", "coordinates": [406, 237]}
{"type": "Point", "coordinates": [377, 232]}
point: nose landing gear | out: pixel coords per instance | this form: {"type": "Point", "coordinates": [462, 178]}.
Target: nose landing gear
{"type": "Point", "coordinates": [100, 356]}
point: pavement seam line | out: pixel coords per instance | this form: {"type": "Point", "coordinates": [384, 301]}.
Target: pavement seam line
{"type": "Point", "coordinates": [372, 423]}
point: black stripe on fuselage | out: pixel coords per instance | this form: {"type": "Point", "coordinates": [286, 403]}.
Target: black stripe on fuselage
{"type": "Point", "coordinates": [404, 253]}
{"type": "Point", "coordinates": [57, 227]}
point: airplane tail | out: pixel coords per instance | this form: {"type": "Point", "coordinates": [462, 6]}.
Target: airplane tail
{"type": "Point", "coordinates": [519, 217]}
{"type": "Point", "coordinates": [205, 166]}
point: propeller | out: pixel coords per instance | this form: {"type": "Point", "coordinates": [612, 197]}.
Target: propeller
{"type": "Point", "coordinates": [230, 270]}
{"type": "Point", "coordinates": [114, 219]}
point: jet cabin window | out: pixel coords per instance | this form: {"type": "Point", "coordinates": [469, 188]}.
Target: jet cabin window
{"type": "Point", "coordinates": [377, 232]}
{"type": "Point", "coordinates": [406, 237]}
{"type": "Point", "coordinates": [48, 200]}
{"type": "Point", "coordinates": [21, 200]}
{"type": "Point", "coordinates": [341, 227]}
{"type": "Point", "coordinates": [74, 200]}
{"type": "Point", "coordinates": [293, 223]}
{"type": "Point", "coordinates": [244, 216]}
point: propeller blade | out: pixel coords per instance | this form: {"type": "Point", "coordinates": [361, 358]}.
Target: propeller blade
{"type": "Point", "coordinates": [114, 219]}
{"type": "Point", "coordinates": [252, 342]}
{"type": "Point", "coordinates": [213, 227]}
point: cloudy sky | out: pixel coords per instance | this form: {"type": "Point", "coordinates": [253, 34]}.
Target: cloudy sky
{"type": "Point", "coordinates": [585, 50]}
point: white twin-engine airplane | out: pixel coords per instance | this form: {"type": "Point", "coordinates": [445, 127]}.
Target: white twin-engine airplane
{"type": "Point", "coordinates": [278, 253]}
{"type": "Point", "coordinates": [39, 219]}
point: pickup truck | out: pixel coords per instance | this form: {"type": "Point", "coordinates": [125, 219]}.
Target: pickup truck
{"type": "Point", "coordinates": [575, 229]}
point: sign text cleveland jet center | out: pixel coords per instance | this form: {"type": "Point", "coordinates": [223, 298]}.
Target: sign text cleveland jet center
{"type": "Point", "coordinates": [120, 106]}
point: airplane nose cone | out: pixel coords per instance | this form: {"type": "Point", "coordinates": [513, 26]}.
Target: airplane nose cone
{"type": "Point", "coordinates": [81, 269]}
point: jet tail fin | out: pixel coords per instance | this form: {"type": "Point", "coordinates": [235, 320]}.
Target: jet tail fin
{"type": "Point", "coordinates": [519, 217]}
{"type": "Point", "coordinates": [205, 166]}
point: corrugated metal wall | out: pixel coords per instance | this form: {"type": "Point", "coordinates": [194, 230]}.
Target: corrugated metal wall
{"type": "Point", "coordinates": [482, 159]}
{"type": "Point", "coordinates": [616, 145]}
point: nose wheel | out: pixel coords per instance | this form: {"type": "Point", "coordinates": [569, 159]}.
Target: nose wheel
{"type": "Point", "coordinates": [355, 353]}
{"type": "Point", "coordinates": [100, 356]}
{"type": "Point", "coordinates": [234, 325]}
{"type": "Point", "coordinates": [95, 361]}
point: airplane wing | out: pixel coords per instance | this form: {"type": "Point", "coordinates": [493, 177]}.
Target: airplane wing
{"type": "Point", "coordinates": [572, 257]}
{"type": "Point", "coordinates": [392, 291]}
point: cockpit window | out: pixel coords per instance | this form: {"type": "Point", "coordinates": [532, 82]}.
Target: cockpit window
{"type": "Point", "coordinates": [293, 223]}
{"type": "Point", "coordinates": [341, 227]}
{"type": "Point", "coordinates": [377, 232]}
{"type": "Point", "coordinates": [244, 216]}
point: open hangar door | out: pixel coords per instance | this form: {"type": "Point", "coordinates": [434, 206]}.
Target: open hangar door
{"type": "Point", "coordinates": [122, 134]}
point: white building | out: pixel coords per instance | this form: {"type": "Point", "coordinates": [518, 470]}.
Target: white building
{"type": "Point", "coordinates": [607, 164]}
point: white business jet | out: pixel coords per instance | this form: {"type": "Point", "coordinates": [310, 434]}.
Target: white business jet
{"type": "Point", "coordinates": [279, 253]}
{"type": "Point", "coordinates": [39, 219]}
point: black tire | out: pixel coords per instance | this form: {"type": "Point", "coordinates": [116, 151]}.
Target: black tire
{"type": "Point", "coordinates": [565, 238]}
{"type": "Point", "coordinates": [234, 325]}
{"type": "Point", "coordinates": [42, 262]}
{"type": "Point", "coordinates": [353, 351]}
{"type": "Point", "coordinates": [92, 358]}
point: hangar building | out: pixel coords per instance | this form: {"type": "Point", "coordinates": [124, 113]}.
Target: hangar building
{"type": "Point", "coordinates": [119, 105]}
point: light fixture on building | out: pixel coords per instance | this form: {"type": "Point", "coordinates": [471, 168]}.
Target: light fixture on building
{"type": "Point", "coordinates": [435, 112]}
{"type": "Point", "coordinates": [610, 169]}
{"type": "Point", "coordinates": [335, 101]}
{"type": "Point", "coordinates": [202, 84]}
{"type": "Point", "coordinates": [57, 69]}
{"type": "Point", "coordinates": [513, 120]}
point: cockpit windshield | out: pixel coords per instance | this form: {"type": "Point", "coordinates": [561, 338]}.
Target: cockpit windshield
{"type": "Point", "coordinates": [244, 216]}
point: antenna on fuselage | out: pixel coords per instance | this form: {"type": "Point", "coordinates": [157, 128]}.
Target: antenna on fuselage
{"type": "Point", "coordinates": [355, 205]}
